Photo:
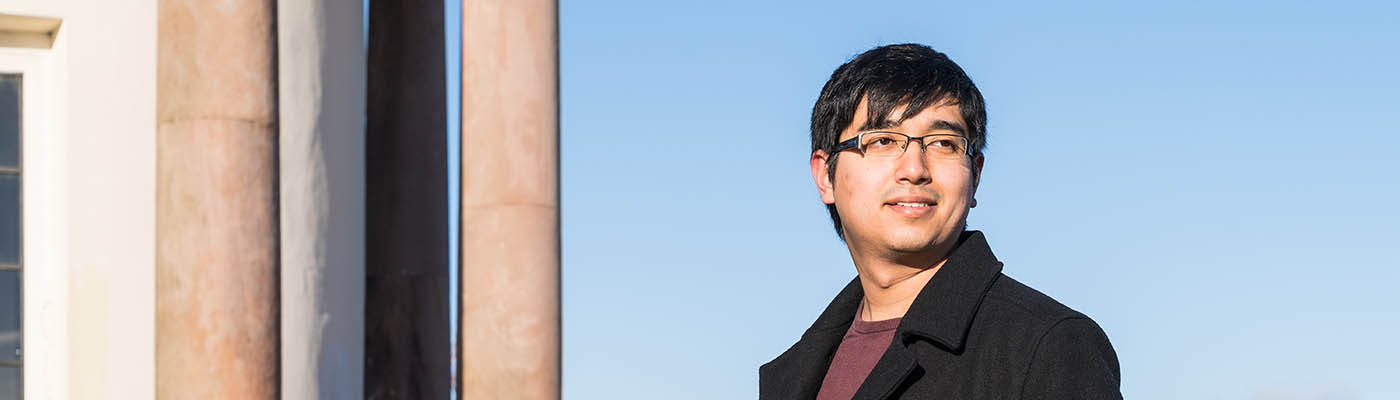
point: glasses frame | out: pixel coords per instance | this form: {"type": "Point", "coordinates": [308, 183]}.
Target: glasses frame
{"type": "Point", "coordinates": [854, 143]}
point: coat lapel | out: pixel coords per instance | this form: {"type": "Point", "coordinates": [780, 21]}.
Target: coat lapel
{"type": "Point", "coordinates": [941, 313]}
{"type": "Point", "coordinates": [798, 372]}
{"type": "Point", "coordinates": [893, 369]}
{"type": "Point", "coordinates": [943, 310]}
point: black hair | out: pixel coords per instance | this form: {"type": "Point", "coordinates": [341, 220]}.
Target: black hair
{"type": "Point", "coordinates": [887, 77]}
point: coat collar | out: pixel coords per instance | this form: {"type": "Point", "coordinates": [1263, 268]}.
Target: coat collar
{"type": "Point", "coordinates": [942, 313]}
{"type": "Point", "coordinates": [943, 310]}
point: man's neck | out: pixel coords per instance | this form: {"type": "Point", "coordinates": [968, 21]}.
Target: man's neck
{"type": "Point", "coordinates": [889, 294]}
{"type": "Point", "coordinates": [890, 288]}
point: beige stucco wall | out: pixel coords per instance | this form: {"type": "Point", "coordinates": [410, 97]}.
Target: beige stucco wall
{"type": "Point", "coordinates": [108, 165]}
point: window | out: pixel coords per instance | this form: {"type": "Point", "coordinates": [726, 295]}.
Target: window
{"type": "Point", "coordinates": [11, 261]}
{"type": "Point", "coordinates": [32, 343]}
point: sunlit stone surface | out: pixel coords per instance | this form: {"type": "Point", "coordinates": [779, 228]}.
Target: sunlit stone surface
{"type": "Point", "coordinates": [510, 200]}
{"type": "Point", "coordinates": [216, 201]}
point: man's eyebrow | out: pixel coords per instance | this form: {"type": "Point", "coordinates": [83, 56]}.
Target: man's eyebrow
{"type": "Point", "coordinates": [939, 125]}
{"type": "Point", "coordinates": [880, 125]}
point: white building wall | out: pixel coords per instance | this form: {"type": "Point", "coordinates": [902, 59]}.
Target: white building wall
{"type": "Point", "coordinates": [45, 275]}
{"type": "Point", "coordinates": [101, 150]}
{"type": "Point", "coordinates": [90, 168]}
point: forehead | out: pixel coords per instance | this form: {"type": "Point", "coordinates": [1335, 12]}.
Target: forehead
{"type": "Point", "coordinates": [924, 121]}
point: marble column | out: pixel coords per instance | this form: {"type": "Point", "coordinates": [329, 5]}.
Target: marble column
{"type": "Point", "coordinates": [216, 200]}
{"type": "Point", "coordinates": [407, 337]}
{"type": "Point", "coordinates": [510, 200]}
{"type": "Point", "coordinates": [321, 139]}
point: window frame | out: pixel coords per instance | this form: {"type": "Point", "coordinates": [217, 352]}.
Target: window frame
{"type": "Point", "coordinates": [43, 221]}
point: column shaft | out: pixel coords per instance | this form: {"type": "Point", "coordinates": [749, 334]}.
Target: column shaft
{"type": "Point", "coordinates": [216, 202]}
{"type": "Point", "coordinates": [510, 200]}
{"type": "Point", "coordinates": [407, 346]}
{"type": "Point", "coordinates": [321, 136]}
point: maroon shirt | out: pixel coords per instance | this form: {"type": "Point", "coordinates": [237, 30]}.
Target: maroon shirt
{"type": "Point", "coordinates": [865, 342]}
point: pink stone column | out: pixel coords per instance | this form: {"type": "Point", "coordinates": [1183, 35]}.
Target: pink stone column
{"type": "Point", "coordinates": [216, 203]}
{"type": "Point", "coordinates": [510, 200]}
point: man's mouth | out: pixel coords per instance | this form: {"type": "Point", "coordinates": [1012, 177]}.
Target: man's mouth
{"type": "Point", "coordinates": [912, 207]}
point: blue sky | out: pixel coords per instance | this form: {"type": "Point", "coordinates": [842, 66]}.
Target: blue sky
{"type": "Point", "coordinates": [1213, 184]}
{"type": "Point", "coordinates": [453, 31]}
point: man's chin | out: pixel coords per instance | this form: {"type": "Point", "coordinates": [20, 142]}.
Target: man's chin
{"type": "Point", "coordinates": [912, 243]}
{"type": "Point", "coordinates": [915, 245]}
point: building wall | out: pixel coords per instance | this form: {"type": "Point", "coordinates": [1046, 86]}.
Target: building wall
{"type": "Point", "coordinates": [90, 200]}
{"type": "Point", "coordinates": [105, 129]}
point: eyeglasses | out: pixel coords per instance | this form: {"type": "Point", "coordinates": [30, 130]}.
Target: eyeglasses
{"type": "Point", "coordinates": [882, 144]}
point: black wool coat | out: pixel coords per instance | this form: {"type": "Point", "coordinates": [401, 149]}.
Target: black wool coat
{"type": "Point", "coordinates": [971, 333]}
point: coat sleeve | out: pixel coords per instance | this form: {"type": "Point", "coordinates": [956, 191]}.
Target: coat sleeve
{"type": "Point", "coordinates": [1073, 360]}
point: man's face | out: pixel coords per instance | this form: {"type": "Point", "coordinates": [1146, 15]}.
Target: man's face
{"type": "Point", "coordinates": [905, 206]}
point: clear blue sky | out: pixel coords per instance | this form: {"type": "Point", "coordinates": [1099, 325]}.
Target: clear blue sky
{"type": "Point", "coordinates": [1214, 185]}
{"type": "Point", "coordinates": [452, 11]}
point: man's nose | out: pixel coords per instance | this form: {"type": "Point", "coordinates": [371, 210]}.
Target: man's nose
{"type": "Point", "coordinates": [913, 166]}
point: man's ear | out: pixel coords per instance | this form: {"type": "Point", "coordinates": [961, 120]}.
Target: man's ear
{"type": "Point", "coordinates": [976, 176]}
{"type": "Point", "coordinates": [822, 176]}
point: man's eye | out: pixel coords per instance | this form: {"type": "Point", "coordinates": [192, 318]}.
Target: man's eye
{"type": "Point", "coordinates": [944, 145]}
{"type": "Point", "coordinates": [882, 144]}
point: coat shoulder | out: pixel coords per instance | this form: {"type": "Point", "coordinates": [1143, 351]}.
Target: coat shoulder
{"type": "Point", "coordinates": [1016, 301]}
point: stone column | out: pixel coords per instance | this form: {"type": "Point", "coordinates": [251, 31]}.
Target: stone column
{"type": "Point", "coordinates": [510, 200]}
{"type": "Point", "coordinates": [216, 200]}
{"type": "Point", "coordinates": [321, 84]}
{"type": "Point", "coordinates": [407, 346]}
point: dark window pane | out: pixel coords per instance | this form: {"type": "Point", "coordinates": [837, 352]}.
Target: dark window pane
{"type": "Point", "coordinates": [9, 120]}
{"type": "Point", "coordinates": [9, 219]}
{"type": "Point", "coordinates": [10, 383]}
{"type": "Point", "coordinates": [9, 315]}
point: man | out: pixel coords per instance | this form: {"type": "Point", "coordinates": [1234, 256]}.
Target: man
{"type": "Point", "coordinates": [897, 139]}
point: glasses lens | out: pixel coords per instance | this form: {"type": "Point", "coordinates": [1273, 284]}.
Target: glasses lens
{"type": "Point", "coordinates": [945, 147]}
{"type": "Point", "coordinates": [882, 144]}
